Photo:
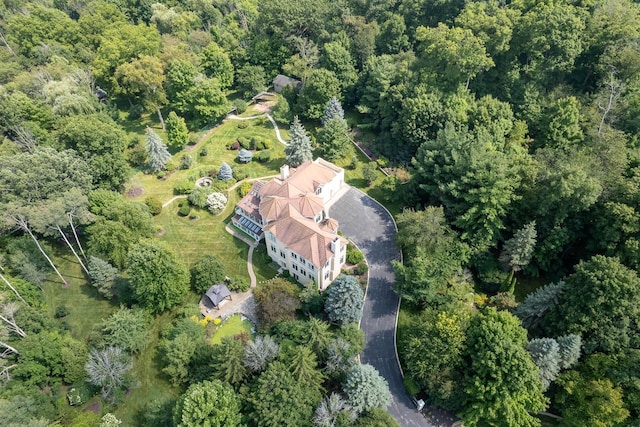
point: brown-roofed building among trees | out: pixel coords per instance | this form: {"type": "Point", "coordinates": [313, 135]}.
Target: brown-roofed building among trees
{"type": "Point", "coordinates": [289, 213]}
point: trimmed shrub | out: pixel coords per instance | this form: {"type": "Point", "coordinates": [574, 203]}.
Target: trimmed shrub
{"type": "Point", "coordinates": [244, 142]}
{"type": "Point", "coordinates": [203, 152]}
{"type": "Point", "coordinates": [263, 156]}
{"type": "Point", "coordinates": [245, 156]}
{"type": "Point", "coordinates": [170, 166]}
{"type": "Point", "coordinates": [239, 285]}
{"type": "Point", "coordinates": [193, 139]}
{"type": "Point", "coordinates": [185, 161]}
{"type": "Point", "coordinates": [245, 187]}
{"type": "Point", "coordinates": [198, 197]}
{"type": "Point", "coordinates": [243, 125]}
{"type": "Point", "coordinates": [354, 256]}
{"type": "Point", "coordinates": [154, 205]}
{"type": "Point", "coordinates": [184, 210]}
{"type": "Point", "coordinates": [184, 186]}
{"type": "Point", "coordinates": [361, 268]}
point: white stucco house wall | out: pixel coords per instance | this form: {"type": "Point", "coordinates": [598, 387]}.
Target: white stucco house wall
{"type": "Point", "coordinates": [289, 213]}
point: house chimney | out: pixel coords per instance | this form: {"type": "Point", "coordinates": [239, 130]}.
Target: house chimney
{"type": "Point", "coordinates": [284, 172]}
{"type": "Point", "coordinates": [335, 245]}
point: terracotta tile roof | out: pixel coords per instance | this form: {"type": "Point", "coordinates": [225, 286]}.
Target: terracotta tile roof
{"type": "Point", "coordinates": [309, 205]}
{"type": "Point", "coordinates": [311, 175]}
{"type": "Point", "coordinates": [304, 237]}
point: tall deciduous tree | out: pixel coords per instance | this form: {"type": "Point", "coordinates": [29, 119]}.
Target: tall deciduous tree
{"type": "Point", "coordinates": [159, 279]}
{"type": "Point", "coordinates": [453, 55]}
{"type": "Point", "coordinates": [320, 87]}
{"type": "Point", "coordinates": [157, 151]}
{"type": "Point", "coordinates": [476, 175]}
{"type": "Point", "coordinates": [298, 150]}
{"type": "Point", "coordinates": [144, 78]}
{"type": "Point", "coordinates": [216, 63]}
{"type": "Point", "coordinates": [434, 257]}
{"type": "Point", "coordinates": [606, 324]}
{"type": "Point", "coordinates": [209, 403]}
{"type": "Point", "coordinates": [107, 369]}
{"type": "Point", "coordinates": [501, 383]}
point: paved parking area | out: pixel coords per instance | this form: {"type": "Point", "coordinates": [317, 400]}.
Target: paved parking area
{"type": "Point", "coordinates": [370, 226]}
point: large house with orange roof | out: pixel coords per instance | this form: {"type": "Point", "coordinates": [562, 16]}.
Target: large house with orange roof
{"type": "Point", "coordinates": [289, 213]}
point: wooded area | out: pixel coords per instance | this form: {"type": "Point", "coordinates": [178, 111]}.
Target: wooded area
{"type": "Point", "coordinates": [509, 131]}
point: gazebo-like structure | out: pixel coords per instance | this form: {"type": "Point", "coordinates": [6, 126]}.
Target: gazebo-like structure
{"type": "Point", "coordinates": [216, 294]}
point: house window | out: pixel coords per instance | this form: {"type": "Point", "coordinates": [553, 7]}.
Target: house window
{"type": "Point", "coordinates": [296, 276]}
{"type": "Point", "coordinates": [304, 273]}
{"type": "Point", "coordinates": [311, 266]}
{"type": "Point", "coordinates": [282, 255]}
{"type": "Point", "coordinates": [272, 237]}
{"type": "Point", "coordinates": [341, 260]}
{"type": "Point", "coordinates": [302, 261]}
{"type": "Point", "coordinates": [294, 256]}
{"type": "Point", "coordinates": [326, 275]}
{"type": "Point", "coordinates": [273, 248]}
{"type": "Point", "coordinates": [295, 267]}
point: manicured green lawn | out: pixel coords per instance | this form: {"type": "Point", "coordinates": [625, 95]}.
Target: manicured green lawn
{"type": "Point", "coordinates": [217, 153]}
{"type": "Point", "coordinates": [234, 325]}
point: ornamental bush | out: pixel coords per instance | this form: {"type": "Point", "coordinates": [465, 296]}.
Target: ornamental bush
{"type": "Point", "coordinates": [225, 173]}
{"type": "Point", "coordinates": [154, 205]}
{"type": "Point", "coordinates": [344, 300]}
{"type": "Point", "coordinates": [216, 202]}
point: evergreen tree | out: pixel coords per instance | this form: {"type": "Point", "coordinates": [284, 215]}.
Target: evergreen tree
{"type": "Point", "coordinates": [299, 149]}
{"type": "Point", "coordinates": [228, 361]}
{"type": "Point", "coordinates": [260, 352]}
{"type": "Point", "coordinates": [209, 403]}
{"type": "Point", "coordinates": [344, 300]}
{"type": "Point", "coordinates": [366, 389]}
{"type": "Point", "coordinates": [102, 275]}
{"type": "Point", "coordinates": [569, 346]}
{"type": "Point", "coordinates": [157, 151]}
{"type": "Point", "coordinates": [537, 304]}
{"type": "Point", "coordinates": [518, 250]}
{"type": "Point", "coordinates": [333, 138]}
{"type": "Point", "coordinates": [545, 353]}
{"type": "Point", "coordinates": [225, 173]}
{"type": "Point", "coordinates": [332, 111]}
{"type": "Point", "coordinates": [177, 132]}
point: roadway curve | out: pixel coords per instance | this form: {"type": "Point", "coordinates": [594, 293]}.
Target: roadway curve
{"type": "Point", "coordinates": [372, 228]}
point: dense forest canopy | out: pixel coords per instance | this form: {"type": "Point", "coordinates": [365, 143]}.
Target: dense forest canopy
{"type": "Point", "coordinates": [511, 133]}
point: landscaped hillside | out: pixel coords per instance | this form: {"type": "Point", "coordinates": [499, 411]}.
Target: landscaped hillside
{"type": "Point", "coordinates": [508, 137]}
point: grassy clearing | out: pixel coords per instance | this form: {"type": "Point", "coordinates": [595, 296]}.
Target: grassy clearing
{"type": "Point", "coordinates": [86, 307]}
{"type": "Point", "coordinates": [234, 325]}
{"type": "Point", "coordinates": [149, 382]}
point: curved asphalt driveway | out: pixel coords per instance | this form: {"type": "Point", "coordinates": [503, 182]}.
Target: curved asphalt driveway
{"type": "Point", "coordinates": [371, 227]}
